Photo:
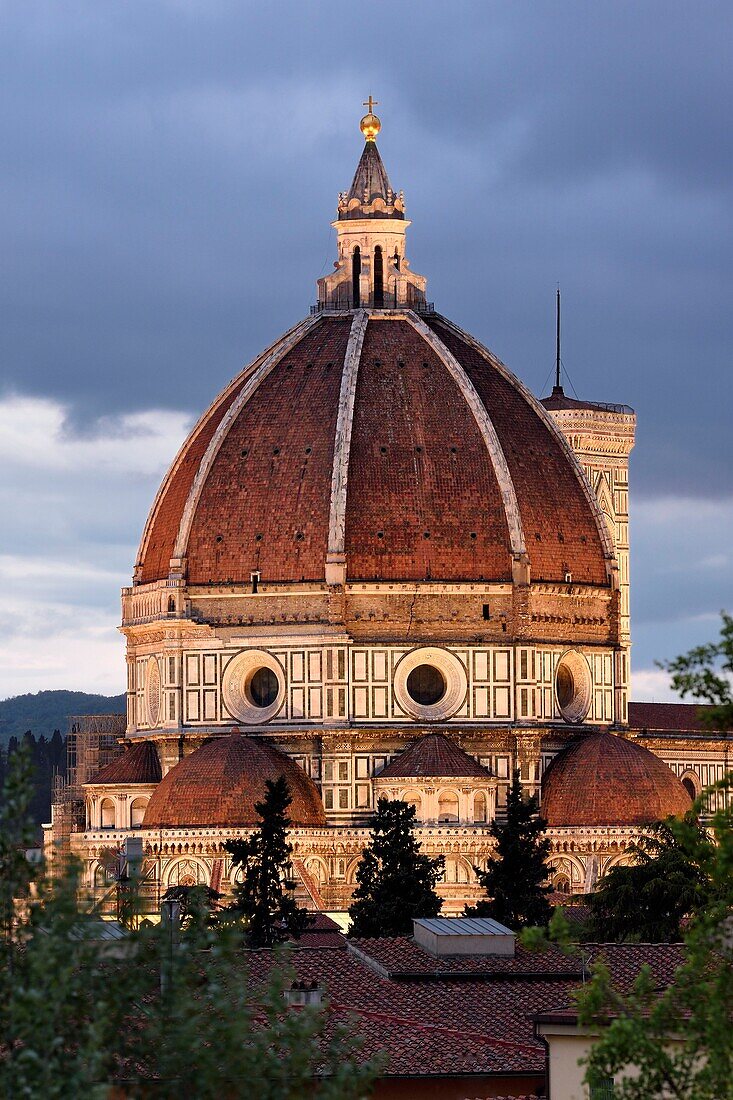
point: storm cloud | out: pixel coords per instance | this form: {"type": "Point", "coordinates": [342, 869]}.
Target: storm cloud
{"type": "Point", "coordinates": [169, 174]}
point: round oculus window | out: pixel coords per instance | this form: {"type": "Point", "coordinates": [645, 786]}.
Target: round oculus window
{"type": "Point", "coordinates": [573, 686]}
{"type": "Point", "coordinates": [430, 684]}
{"type": "Point", "coordinates": [565, 686]}
{"type": "Point", "coordinates": [253, 686]}
{"type": "Point", "coordinates": [263, 687]}
{"type": "Point", "coordinates": [426, 685]}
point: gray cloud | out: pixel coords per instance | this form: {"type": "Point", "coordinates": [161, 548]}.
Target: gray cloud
{"type": "Point", "coordinates": [169, 171]}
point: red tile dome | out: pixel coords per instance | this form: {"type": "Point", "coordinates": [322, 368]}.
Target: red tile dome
{"type": "Point", "coordinates": [218, 785]}
{"type": "Point", "coordinates": [607, 780]}
{"type": "Point", "coordinates": [390, 438]}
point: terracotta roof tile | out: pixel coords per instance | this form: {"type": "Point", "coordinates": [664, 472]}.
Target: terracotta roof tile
{"type": "Point", "coordinates": [138, 764]}
{"type": "Point", "coordinates": [219, 783]}
{"type": "Point", "coordinates": [423, 500]}
{"type": "Point", "coordinates": [432, 755]}
{"type": "Point", "coordinates": [433, 1025]}
{"type": "Point", "coordinates": [607, 780]}
{"type": "Point", "coordinates": [675, 717]}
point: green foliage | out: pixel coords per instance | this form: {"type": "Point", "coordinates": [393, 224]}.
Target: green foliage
{"type": "Point", "coordinates": [680, 1040]}
{"type": "Point", "coordinates": [196, 902]}
{"type": "Point", "coordinates": [647, 901]}
{"type": "Point", "coordinates": [395, 881]}
{"type": "Point", "coordinates": [74, 1022]}
{"type": "Point", "coordinates": [706, 673]}
{"type": "Point", "coordinates": [16, 834]}
{"type": "Point", "coordinates": [558, 933]}
{"type": "Point", "coordinates": [46, 711]}
{"type": "Point", "coordinates": [515, 879]}
{"type": "Point", "coordinates": [47, 759]}
{"type": "Point", "coordinates": [264, 897]}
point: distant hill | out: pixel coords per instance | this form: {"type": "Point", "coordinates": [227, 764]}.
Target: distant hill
{"type": "Point", "coordinates": [47, 711]}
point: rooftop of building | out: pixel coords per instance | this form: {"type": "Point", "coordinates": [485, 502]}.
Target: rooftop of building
{"type": "Point", "coordinates": [670, 717]}
{"type": "Point", "coordinates": [472, 1015]}
{"type": "Point", "coordinates": [433, 755]}
{"type": "Point", "coordinates": [603, 779]}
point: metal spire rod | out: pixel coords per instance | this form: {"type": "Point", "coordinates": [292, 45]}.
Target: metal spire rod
{"type": "Point", "coordinates": [557, 345]}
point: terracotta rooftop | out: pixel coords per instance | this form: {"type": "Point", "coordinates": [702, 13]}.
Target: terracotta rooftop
{"type": "Point", "coordinates": [432, 755]}
{"type": "Point", "coordinates": [606, 780]}
{"type": "Point", "coordinates": [219, 783]}
{"type": "Point", "coordinates": [138, 764]}
{"type": "Point", "coordinates": [476, 1022]}
{"type": "Point", "coordinates": [673, 717]}
{"type": "Point", "coordinates": [423, 497]}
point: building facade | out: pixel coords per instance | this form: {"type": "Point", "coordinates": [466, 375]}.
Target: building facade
{"type": "Point", "coordinates": [380, 566]}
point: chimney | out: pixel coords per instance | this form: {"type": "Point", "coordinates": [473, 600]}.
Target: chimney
{"type": "Point", "coordinates": [302, 994]}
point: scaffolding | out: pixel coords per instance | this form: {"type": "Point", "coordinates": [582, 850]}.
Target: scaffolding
{"type": "Point", "coordinates": [93, 741]}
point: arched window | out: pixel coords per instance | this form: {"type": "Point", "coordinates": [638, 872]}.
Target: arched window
{"type": "Point", "coordinates": [396, 258]}
{"type": "Point", "coordinates": [378, 278]}
{"type": "Point", "coordinates": [171, 605]}
{"type": "Point", "coordinates": [448, 807]}
{"type": "Point", "coordinates": [137, 812]}
{"type": "Point", "coordinates": [412, 798]}
{"type": "Point", "coordinates": [455, 870]}
{"type": "Point", "coordinates": [561, 884]}
{"type": "Point", "coordinates": [689, 786]}
{"type": "Point", "coordinates": [479, 806]}
{"type": "Point", "coordinates": [355, 273]}
{"type": "Point", "coordinates": [107, 813]}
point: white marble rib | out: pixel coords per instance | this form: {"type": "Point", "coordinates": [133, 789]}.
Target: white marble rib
{"type": "Point", "coordinates": [280, 349]}
{"type": "Point", "coordinates": [342, 446]}
{"type": "Point", "coordinates": [539, 408]}
{"type": "Point", "coordinates": [485, 426]}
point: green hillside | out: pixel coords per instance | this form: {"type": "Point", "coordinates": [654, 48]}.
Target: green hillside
{"type": "Point", "coordinates": [47, 711]}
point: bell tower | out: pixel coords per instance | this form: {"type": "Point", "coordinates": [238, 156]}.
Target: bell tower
{"type": "Point", "coordinates": [602, 436]}
{"type": "Point", "coordinates": [371, 270]}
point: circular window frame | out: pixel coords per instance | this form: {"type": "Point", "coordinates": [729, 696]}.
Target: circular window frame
{"type": "Point", "coordinates": [237, 675]}
{"type": "Point", "coordinates": [577, 666]}
{"type": "Point", "coordinates": [153, 692]}
{"type": "Point", "coordinates": [452, 671]}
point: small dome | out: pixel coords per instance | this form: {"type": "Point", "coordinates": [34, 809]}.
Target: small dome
{"type": "Point", "coordinates": [139, 764]}
{"type": "Point", "coordinates": [607, 780]}
{"type": "Point", "coordinates": [433, 756]}
{"type": "Point", "coordinates": [218, 784]}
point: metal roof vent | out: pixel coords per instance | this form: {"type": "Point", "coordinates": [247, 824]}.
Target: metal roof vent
{"type": "Point", "coordinates": [463, 936]}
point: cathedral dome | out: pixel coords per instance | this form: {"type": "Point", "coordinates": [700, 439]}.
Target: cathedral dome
{"type": "Point", "coordinates": [218, 785]}
{"type": "Point", "coordinates": [607, 780]}
{"type": "Point", "coordinates": [387, 444]}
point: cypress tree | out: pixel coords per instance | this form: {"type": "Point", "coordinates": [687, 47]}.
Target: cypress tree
{"type": "Point", "coordinates": [395, 881]}
{"type": "Point", "coordinates": [515, 879]}
{"type": "Point", "coordinates": [264, 897]}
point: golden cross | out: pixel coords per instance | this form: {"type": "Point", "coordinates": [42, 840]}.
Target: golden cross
{"type": "Point", "coordinates": [370, 103]}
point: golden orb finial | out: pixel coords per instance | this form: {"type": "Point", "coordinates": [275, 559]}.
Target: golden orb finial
{"type": "Point", "coordinates": [370, 124]}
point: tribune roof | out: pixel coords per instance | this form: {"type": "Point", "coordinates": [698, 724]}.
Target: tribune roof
{"type": "Point", "coordinates": [433, 755]}
{"type": "Point", "coordinates": [602, 779]}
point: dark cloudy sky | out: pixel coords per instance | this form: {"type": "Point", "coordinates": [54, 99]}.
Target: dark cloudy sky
{"type": "Point", "coordinates": [169, 171]}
